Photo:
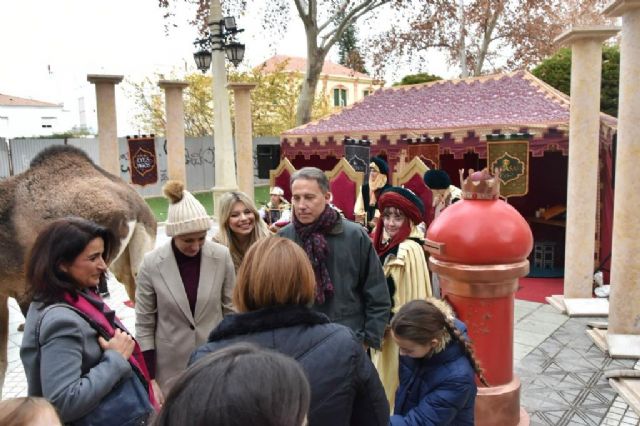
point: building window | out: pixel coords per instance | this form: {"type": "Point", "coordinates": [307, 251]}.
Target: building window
{"type": "Point", "coordinates": [365, 93]}
{"type": "Point", "coordinates": [339, 97]}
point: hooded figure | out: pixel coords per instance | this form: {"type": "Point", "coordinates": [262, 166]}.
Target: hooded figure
{"type": "Point", "coordinates": [398, 243]}
{"type": "Point", "coordinates": [366, 207]}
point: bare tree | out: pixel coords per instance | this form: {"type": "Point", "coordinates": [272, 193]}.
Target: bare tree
{"type": "Point", "coordinates": [324, 22]}
{"type": "Point", "coordinates": [481, 34]}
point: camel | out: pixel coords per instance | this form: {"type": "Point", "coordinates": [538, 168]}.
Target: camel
{"type": "Point", "coordinates": [63, 181]}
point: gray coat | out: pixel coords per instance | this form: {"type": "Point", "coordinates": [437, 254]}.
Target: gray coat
{"type": "Point", "coordinates": [74, 373]}
{"type": "Point", "coordinates": [361, 299]}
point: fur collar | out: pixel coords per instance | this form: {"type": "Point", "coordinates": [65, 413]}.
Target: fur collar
{"type": "Point", "coordinates": [266, 319]}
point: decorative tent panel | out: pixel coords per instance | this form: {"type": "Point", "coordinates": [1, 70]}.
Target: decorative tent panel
{"type": "Point", "coordinates": [411, 177]}
{"type": "Point", "coordinates": [281, 177]}
{"type": "Point", "coordinates": [345, 184]}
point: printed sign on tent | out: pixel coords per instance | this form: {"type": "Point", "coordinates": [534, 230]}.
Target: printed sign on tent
{"type": "Point", "coordinates": [512, 160]}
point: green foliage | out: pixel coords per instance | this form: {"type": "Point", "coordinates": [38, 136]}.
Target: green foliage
{"type": "Point", "coordinates": [349, 52]}
{"type": "Point", "coordinates": [556, 71]}
{"type": "Point", "coordinates": [422, 77]}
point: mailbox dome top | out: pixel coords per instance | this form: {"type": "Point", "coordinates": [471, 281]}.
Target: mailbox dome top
{"type": "Point", "coordinates": [481, 230]}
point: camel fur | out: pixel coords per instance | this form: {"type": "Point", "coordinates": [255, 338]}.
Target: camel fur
{"type": "Point", "coordinates": [63, 181]}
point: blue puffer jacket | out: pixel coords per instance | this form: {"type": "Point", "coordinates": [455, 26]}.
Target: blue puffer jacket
{"type": "Point", "coordinates": [345, 387]}
{"type": "Point", "coordinates": [439, 390]}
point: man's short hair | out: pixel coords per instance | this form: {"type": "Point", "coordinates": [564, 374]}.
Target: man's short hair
{"type": "Point", "coordinates": [312, 173]}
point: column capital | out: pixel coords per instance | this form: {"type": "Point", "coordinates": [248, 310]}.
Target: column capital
{"type": "Point", "coordinates": [586, 33]}
{"type": "Point", "coordinates": [171, 84]}
{"type": "Point", "coordinates": [104, 78]}
{"type": "Point", "coordinates": [620, 7]}
{"type": "Point", "coordinates": [241, 86]}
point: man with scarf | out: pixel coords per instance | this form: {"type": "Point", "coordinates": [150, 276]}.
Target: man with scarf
{"type": "Point", "coordinates": [366, 208]}
{"type": "Point", "coordinates": [350, 285]}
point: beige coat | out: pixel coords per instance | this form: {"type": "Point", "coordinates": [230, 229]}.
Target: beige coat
{"type": "Point", "coordinates": [163, 317]}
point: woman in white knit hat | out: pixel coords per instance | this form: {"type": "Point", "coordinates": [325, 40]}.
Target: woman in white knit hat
{"type": "Point", "coordinates": [184, 288]}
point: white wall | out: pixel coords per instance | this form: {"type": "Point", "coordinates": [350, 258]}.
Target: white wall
{"type": "Point", "coordinates": [28, 121]}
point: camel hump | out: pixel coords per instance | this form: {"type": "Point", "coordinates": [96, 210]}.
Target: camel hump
{"type": "Point", "coordinates": [56, 151]}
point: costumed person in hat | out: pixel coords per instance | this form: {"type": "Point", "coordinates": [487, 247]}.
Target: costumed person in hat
{"type": "Point", "coordinates": [444, 194]}
{"type": "Point", "coordinates": [277, 212]}
{"type": "Point", "coordinates": [366, 208]}
{"type": "Point", "coordinates": [183, 289]}
{"type": "Point", "coordinates": [398, 243]}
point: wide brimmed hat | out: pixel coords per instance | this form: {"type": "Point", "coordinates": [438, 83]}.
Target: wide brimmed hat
{"type": "Point", "coordinates": [405, 200]}
{"type": "Point", "coordinates": [186, 214]}
{"type": "Point", "coordinates": [437, 179]}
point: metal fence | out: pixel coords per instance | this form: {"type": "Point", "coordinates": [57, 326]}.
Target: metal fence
{"type": "Point", "coordinates": [5, 161]}
{"type": "Point", "coordinates": [16, 155]}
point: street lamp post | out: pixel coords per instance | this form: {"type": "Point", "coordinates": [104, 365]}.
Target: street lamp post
{"type": "Point", "coordinates": [212, 53]}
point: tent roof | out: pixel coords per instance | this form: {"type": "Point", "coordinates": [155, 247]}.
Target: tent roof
{"type": "Point", "coordinates": [499, 101]}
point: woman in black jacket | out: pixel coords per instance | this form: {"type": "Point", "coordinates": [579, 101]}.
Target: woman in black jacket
{"type": "Point", "coordinates": [273, 292]}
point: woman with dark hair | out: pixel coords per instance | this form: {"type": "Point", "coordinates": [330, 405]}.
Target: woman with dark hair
{"type": "Point", "coordinates": [437, 367]}
{"type": "Point", "coordinates": [75, 351]}
{"type": "Point", "coordinates": [398, 243]}
{"type": "Point", "coordinates": [237, 386]}
{"type": "Point", "coordinates": [274, 291]}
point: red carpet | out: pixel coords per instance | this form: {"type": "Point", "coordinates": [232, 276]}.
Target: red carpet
{"type": "Point", "coordinates": [536, 289]}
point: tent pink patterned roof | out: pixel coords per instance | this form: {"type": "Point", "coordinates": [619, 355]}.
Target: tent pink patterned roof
{"type": "Point", "coordinates": [499, 100]}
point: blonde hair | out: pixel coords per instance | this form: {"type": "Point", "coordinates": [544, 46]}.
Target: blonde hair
{"type": "Point", "coordinates": [24, 411]}
{"type": "Point", "coordinates": [226, 237]}
{"type": "Point", "coordinates": [275, 271]}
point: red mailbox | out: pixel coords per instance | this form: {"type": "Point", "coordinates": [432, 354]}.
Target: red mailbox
{"type": "Point", "coordinates": [479, 248]}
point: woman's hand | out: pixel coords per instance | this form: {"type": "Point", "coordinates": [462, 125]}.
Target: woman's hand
{"type": "Point", "coordinates": [157, 392]}
{"type": "Point", "coordinates": [121, 342]}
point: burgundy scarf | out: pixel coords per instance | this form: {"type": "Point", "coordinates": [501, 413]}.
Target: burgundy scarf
{"type": "Point", "coordinates": [317, 249]}
{"type": "Point", "coordinates": [106, 319]}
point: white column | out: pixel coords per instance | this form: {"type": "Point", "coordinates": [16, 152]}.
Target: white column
{"type": "Point", "coordinates": [584, 129]}
{"type": "Point", "coordinates": [225, 167]}
{"type": "Point", "coordinates": [107, 122]}
{"type": "Point", "coordinates": [174, 107]}
{"type": "Point", "coordinates": [244, 136]}
{"type": "Point", "coordinates": [623, 335]}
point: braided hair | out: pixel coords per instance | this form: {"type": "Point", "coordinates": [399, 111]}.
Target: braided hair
{"type": "Point", "coordinates": [421, 321]}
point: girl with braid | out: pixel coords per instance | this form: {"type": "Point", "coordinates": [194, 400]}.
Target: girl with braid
{"type": "Point", "coordinates": [437, 367]}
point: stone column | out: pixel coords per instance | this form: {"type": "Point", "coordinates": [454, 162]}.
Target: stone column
{"type": "Point", "coordinates": [107, 123]}
{"type": "Point", "coordinates": [222, 140]}
{"type": "Point", "coordinates": [584, 130]}
{"type": "Point", "coordinates": [244, 136]}
{"type": "Point", "coordinates": [174, 107]}
{"type": "Point", "coordinates": [623, 335]}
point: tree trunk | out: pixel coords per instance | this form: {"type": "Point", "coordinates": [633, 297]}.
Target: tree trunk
{"type": "Point", "coordinates": [315, 61]}
{"type": "Point", "coordinates": [464, 72]}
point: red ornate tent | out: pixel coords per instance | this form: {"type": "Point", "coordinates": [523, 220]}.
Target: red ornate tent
{"type": "Point", "coordinates": [450, 121]}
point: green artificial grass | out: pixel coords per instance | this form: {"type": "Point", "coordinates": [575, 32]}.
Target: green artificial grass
{"type": "Point", "coordinates": [159, 205]}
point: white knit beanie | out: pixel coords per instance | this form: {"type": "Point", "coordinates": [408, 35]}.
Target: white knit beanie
{"type": "Point", "coordinates": [186, 213]}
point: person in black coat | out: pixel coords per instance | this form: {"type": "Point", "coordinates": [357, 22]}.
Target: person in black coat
{"type": "Point", "coordinates": [437, 367]}
{"type": "Point", "coordinates": [274, 291]}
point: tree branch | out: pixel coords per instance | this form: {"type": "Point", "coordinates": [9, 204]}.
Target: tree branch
{"type": "Point", "coordinates": [357, 12]}
{"type": "Point", "coordinates": [301, 6]}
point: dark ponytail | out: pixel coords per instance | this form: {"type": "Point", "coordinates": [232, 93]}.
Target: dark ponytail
{"type": "Point", "coordinates": [421, 321]}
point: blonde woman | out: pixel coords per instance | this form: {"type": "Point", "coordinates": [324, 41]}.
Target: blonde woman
{"type": "Point", "coordinates": [240, 225]}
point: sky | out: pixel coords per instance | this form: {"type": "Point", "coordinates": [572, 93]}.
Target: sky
{"type": "Point", "coordinates": [47, 48]}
